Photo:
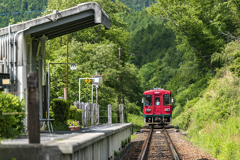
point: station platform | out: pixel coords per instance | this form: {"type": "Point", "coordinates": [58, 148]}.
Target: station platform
{"type": "Point", "coordinates": [98, 142]}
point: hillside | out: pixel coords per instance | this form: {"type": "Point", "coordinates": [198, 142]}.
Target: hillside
{"type": "Point", "coordinates": [191, 48]}
{"type": "Point", "coordinates": [13, 11]}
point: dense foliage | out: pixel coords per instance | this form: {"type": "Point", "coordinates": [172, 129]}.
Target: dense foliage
{"type": "Point", "coordinates": [206, 84]}
{"type": "Point", "coordinates": [96, 50]}
{"type": "Point", "coordinates": [137, 5]}
{"type": "Point", "coordinates": [12, 124]}
{"type": "Point", "coordinates": [75, 114]}
{"type": "Point", "coordinates": [62, 113]}
{"type": "Point", "coordinates": [14, 11]}
{"type": "Point", "coordinates": [59, 111]}
{"type": "Point", "coordinates": [188, 47]}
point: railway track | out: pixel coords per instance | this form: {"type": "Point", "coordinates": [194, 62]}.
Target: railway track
{"type": "Point", "coordinates": [158, 145]}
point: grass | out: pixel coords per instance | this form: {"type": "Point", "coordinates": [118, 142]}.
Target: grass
{"type": "Point", "coordinates": [213, 119]}
{"type": "Point", "coordinates": [136, 120]}
{"type": "Point", "coordinates": [133, 136]}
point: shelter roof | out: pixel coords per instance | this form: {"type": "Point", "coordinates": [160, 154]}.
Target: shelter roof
{"type": "Point", "coordinates": [59, 23]}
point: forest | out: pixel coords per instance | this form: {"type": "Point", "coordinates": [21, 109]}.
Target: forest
{"type": "Point", "coordinates": [15, 11]}
{"type": "Point", "coordinates": [190, 47]}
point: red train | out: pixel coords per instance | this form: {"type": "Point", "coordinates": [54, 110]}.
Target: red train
{"type": "Point", "coordinates": [157, 107]}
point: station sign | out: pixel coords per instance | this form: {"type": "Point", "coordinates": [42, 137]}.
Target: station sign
{"type": "Point", "coordinates": [98, 79]}
{"type": "Point", "coordinates": [4, 80]}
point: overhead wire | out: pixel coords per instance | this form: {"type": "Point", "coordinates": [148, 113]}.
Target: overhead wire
{"type": "Point", "coordinates": [4, 14]}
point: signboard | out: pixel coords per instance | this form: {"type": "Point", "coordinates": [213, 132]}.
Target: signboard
{"type": "Point", "coordinates": [98, 79]}
{"type": "Point", "coordinates": [73, 66]}
{"type": "Point", "coordinates": [87, 80]}
{"type": "Point", "coordinates": [4, 80]}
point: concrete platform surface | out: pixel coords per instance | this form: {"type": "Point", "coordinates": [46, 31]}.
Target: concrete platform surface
{"type": "Point", "coordinates": [71, 144]}
{"type": "Point", "coordinates": [84, 134]}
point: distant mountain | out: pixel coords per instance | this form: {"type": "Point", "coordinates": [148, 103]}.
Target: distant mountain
{"type": "Point", "coordinates": [13, 11]}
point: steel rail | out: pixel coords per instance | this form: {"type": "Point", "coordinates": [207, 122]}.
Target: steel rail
{"type": "Point", "coordinates": [145, 148]}
{"type": "Point", "coordinates": [171, 147]}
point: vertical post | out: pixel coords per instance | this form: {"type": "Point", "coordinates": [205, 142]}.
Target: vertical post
{"type": "Point", "coordinates": [48, 90]}
{"type": "Point", "coordinates": [83, 114]}
{"type": "Point", "coordinates": [95, 111]}
{"type": "Point", "coordinates": [119, 79]}
{"type": "Point", "coordinates": [121, 113]}
{"type": "Point", "coordinates": [92, 110]}
{"type": "Point", "coordinates": [67, 69]}
{"type": "Point", "coordinates": [92, 93]}
{"type": "Point", "coordinates": [45, 102]}
{"type": "Point", "coordinates": [65, 93]}
{"type": "Point", "coordinates": [40, 88]}
{"type": "Point", "coordinates": [79, 94]}
{"type": "Point", "coordinates": [88, 113]}
{"type": "Point", "coordinates": [109, 114]}
{"type": "Point", "coordinates": [26, 108]}
{"type": "Point", "coordinates": [33, 108]}
{"type": "Point", "coordinates": [97, 106]}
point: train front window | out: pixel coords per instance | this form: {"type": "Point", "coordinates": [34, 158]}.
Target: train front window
{"type": "Point", "coordinates": [147, 100]}
{"type": "Point", "coordinates": [157, 100]}
{"type": "Point", "coordinates": [166, 100]}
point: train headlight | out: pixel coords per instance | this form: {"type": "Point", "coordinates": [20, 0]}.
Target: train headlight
{"type": "Point", "coordinates": [167, 109]}
{"type": "Point", "coordinates": [148, 110]}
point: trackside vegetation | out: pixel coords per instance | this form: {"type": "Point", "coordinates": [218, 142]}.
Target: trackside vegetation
{"type": "Point", "coordinates": [191, 48]}
{"type": "Point", "coordinates": [212, 119]}
{"type": "Point", "coordinates": [12, 113]}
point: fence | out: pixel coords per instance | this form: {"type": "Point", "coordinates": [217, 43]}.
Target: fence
{"type": "Point", "coordinates": [90, 114]}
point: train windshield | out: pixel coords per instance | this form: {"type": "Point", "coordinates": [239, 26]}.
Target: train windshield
{"type": "Point", "coordinates": [157, 100]}
{"type": "Point", "coordinates": [166, 100]}
{"type": "Point", "coordinates": [147, 100]}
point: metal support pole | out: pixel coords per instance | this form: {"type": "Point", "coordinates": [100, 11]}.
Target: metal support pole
{"type": "Point", "coordinates": [97, 106]}
{"type": "Point", "coordinates": [79, 93]}
{"type": "Point", "coordinates": [67, 69]}
{"type": "Point", "coordinates": [92, 93]}
{"type": "Point", "coordinates": [48, 90]}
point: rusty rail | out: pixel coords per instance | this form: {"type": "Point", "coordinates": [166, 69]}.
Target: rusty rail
{"type": "Point", "coordinates": [144, 152]}
{"type": "Point", "coordinates": [171, 147]}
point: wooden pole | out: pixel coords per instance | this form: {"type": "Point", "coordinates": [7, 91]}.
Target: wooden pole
{"type": "Point", "coordinates": [33, 108]}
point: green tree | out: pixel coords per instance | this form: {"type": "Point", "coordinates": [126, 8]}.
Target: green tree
{"type": "Point", "coordinates": [197, 25]}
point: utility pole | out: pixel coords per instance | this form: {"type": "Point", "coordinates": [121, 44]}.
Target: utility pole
{"type": "Point", "coordinates": [119, 79]}
{"type": "Point", "coordinates": [97, 103]}
{"type": "Point", "coordinates": [67, 69]}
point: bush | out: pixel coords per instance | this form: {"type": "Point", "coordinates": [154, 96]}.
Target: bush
{"type": "Point", "coordinates": [59, 108]}
{"type": "Point", "coordinates": [132, 108]}
{"type": "Point", "coordinates": [59, 111]}
{"type": "Point", "coordinates": [11, 125]}
{"type": "Point", "coordinates": [75, 114]}
{"type": "Point", "coordinates": [59, 126]}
